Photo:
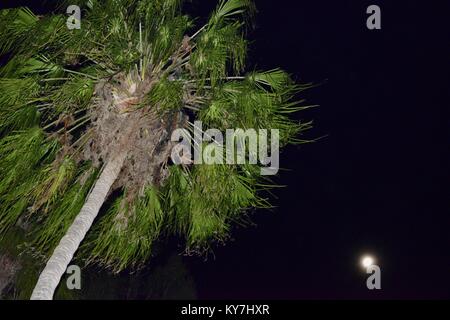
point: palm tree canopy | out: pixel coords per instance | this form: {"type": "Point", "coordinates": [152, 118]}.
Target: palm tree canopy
{"type": "Point", "coordinates": [70, 98]}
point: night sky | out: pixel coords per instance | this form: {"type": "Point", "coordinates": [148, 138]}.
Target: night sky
{"type": "Point", "coordinates": [376, 183]}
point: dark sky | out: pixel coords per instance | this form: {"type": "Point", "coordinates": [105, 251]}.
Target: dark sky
{"type": "Point", "coordinates": [377, 183]}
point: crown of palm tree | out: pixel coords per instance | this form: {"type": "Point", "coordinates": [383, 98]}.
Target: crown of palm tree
{"type": "Point", "coordinates": [72, 101]}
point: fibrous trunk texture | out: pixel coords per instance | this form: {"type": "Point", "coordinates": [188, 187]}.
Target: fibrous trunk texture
{"type": "Point", "coordinates": [8, 268]}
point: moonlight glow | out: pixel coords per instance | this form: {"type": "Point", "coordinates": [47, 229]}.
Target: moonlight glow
{"type": "Point", "coordinates": [367, 261]}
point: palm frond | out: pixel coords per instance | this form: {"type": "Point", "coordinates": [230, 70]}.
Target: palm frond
{"type": "Point", "coordinates": [15, 24]}
{"type": "Point", "coordinates": [125, 236]}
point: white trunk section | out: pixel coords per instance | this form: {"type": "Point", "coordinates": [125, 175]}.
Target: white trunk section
{"type": "Point", "coordinates": [64, 252]}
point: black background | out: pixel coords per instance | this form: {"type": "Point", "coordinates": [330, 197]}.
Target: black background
{"type": "Point", "coordinates": [377, 183]}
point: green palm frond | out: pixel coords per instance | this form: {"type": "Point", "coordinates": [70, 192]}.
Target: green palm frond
{"type": "Point", "coordinates": [229, 9]}
{"type": "Point", "coordinates": [125, 236]}
{"type": "Point", "coordinates": [15, 25]}
{"type": "Point", "coordinates": [56, 221]}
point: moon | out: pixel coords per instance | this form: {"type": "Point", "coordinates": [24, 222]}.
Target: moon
{"type": "Point", "coordinates": [367, 261]}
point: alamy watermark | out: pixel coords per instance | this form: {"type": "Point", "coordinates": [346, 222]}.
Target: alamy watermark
{"type": "Point", "coordinates": [74, 19]}
{"type": "Point", "coordinates": [73, 281]}
{"type": "Point", "coordinates": [374, 280]}
{"type": "Point", "coordinates": [374, 20]}
{"type": "Point", "coordinates": [240, 147]}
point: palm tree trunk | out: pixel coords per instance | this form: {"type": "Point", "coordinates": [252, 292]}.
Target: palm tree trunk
{"type": "Point", "coordinates": [64, 252]}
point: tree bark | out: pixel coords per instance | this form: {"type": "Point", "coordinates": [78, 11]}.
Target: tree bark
{"type": "Point", "coordinates": [64, 252]}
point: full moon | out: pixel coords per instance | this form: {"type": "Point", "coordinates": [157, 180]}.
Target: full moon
{"type": "Point", "coordinates": [367, 261]}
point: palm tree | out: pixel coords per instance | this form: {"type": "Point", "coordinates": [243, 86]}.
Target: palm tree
{"type": "Point", "coordinates": [85, 122]}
